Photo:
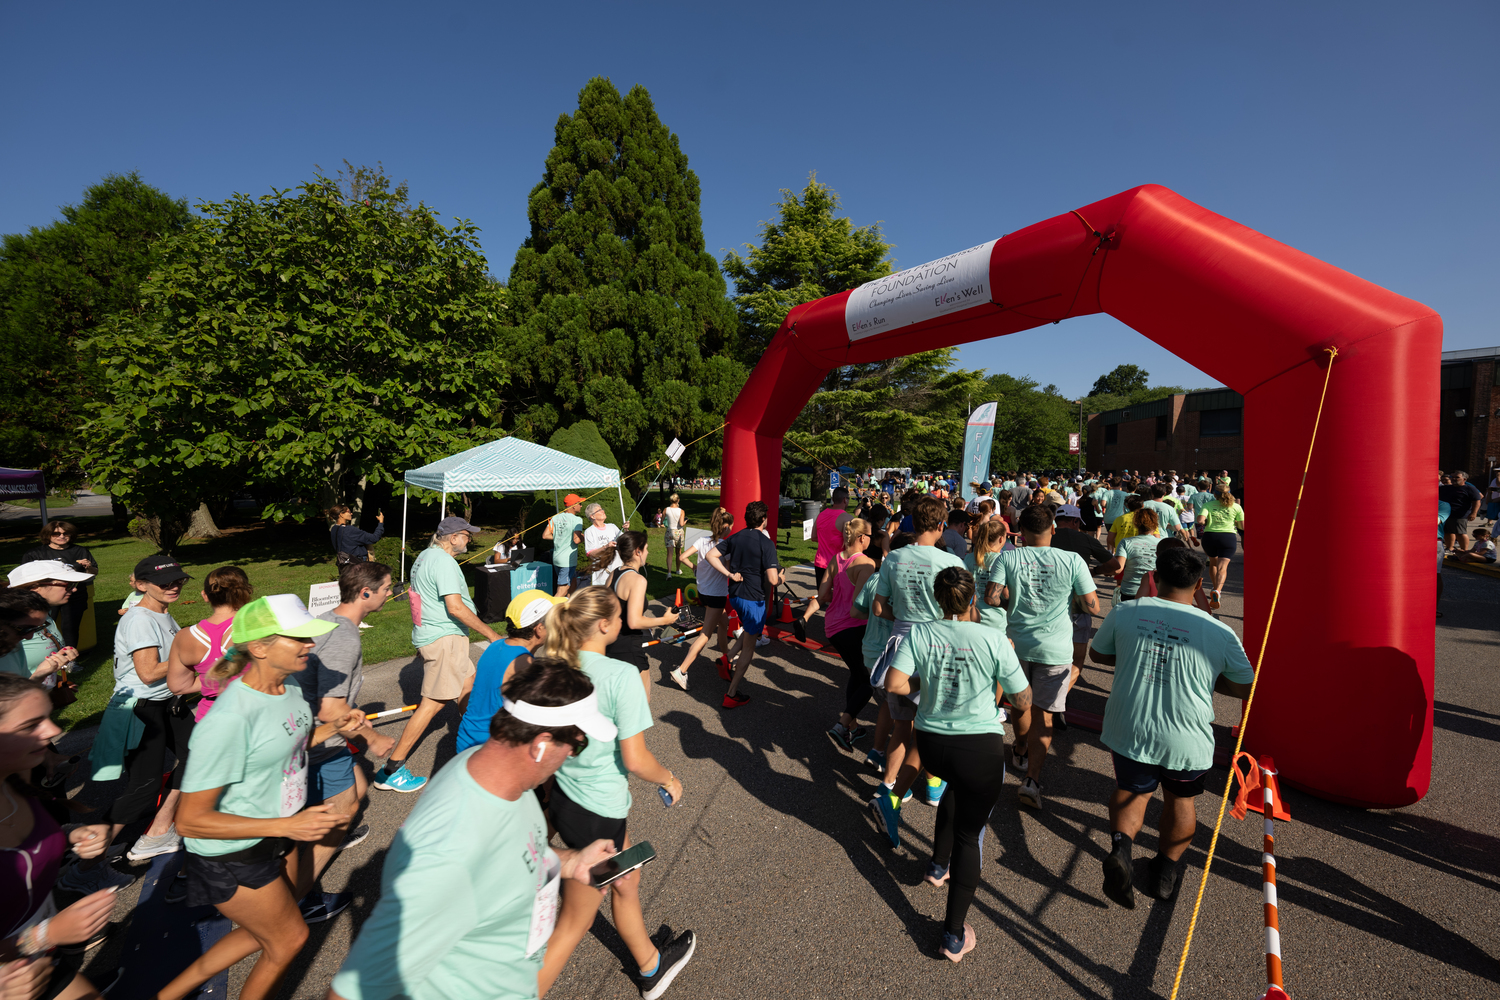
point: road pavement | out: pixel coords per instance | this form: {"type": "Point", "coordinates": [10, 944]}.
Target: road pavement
{"type": "Point", "coordinates": [772, 859]}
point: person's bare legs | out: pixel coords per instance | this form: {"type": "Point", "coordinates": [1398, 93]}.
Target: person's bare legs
{"type": "Point", "coordinates": [1034, 728]}
{"type": "Point", "coordinates": [742, 659]}
{"type": "Point", "coordinates": [883, 725]}
{"type": "Point", "coordinates": [416, 728]}
{"type": "Point", "coordinates": [345, 804]}
{"type": "Point", "coordinates": [267, 921]}
{"type": "Point", "coordinates": [630, 921]}
{"type": "Point", "coordinates": [1179, 820]}
{"type": "Point", "coordinates": [713, 620]}
{"type": "Point", "coordinates": [166, 814]}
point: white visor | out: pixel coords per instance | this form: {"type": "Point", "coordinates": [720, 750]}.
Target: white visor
{"type": "Point", "coordinates": [584, 714]}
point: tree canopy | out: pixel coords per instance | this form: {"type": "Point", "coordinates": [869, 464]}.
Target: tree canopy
{"type": "Point", "coordinates": [583, 440]}
{"type": "Point", "coordinates": [1122, 381]}
{"type": "Point", "coordinates": [302, 340]}
{"type": "Point", "coordinates": [57, 284]}
{"type": "Point", "coordinates": [620, 314]}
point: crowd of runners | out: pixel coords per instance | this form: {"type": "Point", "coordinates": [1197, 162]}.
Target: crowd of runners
{"type": "Point", "coordinates": [952, 617]}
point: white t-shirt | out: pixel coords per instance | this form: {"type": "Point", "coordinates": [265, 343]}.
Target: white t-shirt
{"type": "Point", "coordinates": [594, 538]}
{"type": "Point", "coordinates": [711, 583]}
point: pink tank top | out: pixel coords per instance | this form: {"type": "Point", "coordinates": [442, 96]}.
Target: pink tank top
{"type": "Point", "coordinates": [214, 635]}
{"type": "Point", "coordinates": [838, 616]}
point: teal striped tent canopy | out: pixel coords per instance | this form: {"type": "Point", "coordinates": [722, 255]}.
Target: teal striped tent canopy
{"type": "Point", "coordinates": [511, 464]}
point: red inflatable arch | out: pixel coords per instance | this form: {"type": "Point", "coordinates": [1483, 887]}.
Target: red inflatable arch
{"type": "Point", "coordinates": [1345, 699]}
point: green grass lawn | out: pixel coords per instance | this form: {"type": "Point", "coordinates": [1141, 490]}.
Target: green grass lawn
{"type": "Point", "coordinates": [289, 559]}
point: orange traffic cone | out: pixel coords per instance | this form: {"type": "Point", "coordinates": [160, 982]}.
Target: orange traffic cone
{"type": "Point", "coordinates": [734, 622]}
{"type": "Point", "coordinates": [786, 610]}
{"type": "Point", "coordinates": [678, 603]}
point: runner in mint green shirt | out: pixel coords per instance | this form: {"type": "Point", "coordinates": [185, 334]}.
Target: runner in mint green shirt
{"type": "Point", "coordinates": [964, 668]}
{"type": "Point", "coordinates": [984, 563]}
{"type": "Point", "coordinates": [591, 796]}
{"type": "Point", "coordinates": [470, 889]}
{"type": "Point", "coordinates": [1041, 582]}
{"type": "Point", "coordinates": [1169, 658]}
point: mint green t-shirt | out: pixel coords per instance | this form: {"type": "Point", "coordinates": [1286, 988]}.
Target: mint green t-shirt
{"type": "Point", "coordinates": [906, 578]}
{"type": "Point", "coordinates": [959, 664]}
{"type": "Point", "coordinates": [596, 779]}
{"type": "Point", "coordinates": [42, 645]}
{"type": "Point", "coordinates": [14, 662]}
{"type": "Point", "coordinates": [1042, 582]}
{"type": "Point", "coordinates": [1200, 500]}
{"type": "Point", "coordinates": [434, 575]}
{"type": "Point", "coordinates": [254, 746]}
{"type": "Point", "coordinates": [1140, 558]}
{"type": "Point", "coordinates": [457, 897]}
{"type": "Point", "coordinates": [1168, 657]}
{"type": "Point", "coordinates": [877, 630]}
{"type": "Point", "coordinates": [564, 552]}
{"type": "Point", "coordinates": [1166, 516]}
{"type": "Point", "coordinates": [993, 572]}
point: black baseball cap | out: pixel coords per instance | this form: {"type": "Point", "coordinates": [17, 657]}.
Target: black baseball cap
{"type": "Point", "coordinates": [160, 570]}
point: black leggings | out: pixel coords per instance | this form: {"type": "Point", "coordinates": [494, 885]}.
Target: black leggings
{"type": "Point", "coordinates": [974, 767]}
{"type": "Point", "coordinates": [145, 764]}
{"type": "Point", "coordinates": [850, 644]}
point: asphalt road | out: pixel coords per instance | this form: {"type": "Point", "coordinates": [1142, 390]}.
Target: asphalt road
{"type": "Point", "coordinates": [772, 859]}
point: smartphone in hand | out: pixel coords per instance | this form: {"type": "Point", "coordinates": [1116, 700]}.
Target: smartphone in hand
{"type": "Point", "coordinates": [620, 864]}
{"type": "Point", "coordinates": [666, 798]}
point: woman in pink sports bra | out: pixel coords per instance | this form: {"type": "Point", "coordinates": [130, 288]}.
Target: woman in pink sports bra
{"type": "Point", "coordinates": [197, 648]}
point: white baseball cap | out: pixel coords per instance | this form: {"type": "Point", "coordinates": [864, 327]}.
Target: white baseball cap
{"type": "Point", "coordinates": [45, 569]}
{"type": "Point", "coordinates": [1070, 510]}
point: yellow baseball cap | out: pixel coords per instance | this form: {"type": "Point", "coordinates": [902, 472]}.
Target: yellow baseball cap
{"type": "Point", "coordinates": [530, 607]}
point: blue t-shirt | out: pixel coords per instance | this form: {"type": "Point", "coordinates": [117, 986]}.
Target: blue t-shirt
{"type": "Point", "coordinates": [484, 700]}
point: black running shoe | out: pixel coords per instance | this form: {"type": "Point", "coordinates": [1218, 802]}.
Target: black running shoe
{"type": "Point", "coordinates": [1117, 879]}
{"type": "Point", "coordinates": [859, 733]}
{"type": "Point", "coordinates": [670, 960]}
{"type": "Point", "coordinates": [1163, 877]}
{"type": "Point", "coordinates": [177, 889]}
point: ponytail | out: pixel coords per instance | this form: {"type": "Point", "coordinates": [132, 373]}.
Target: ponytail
{"type": "Point", "coordinates": [720, 523]}
{"type": "Point", "coordinates": [1225, 497]}
{"type": "Point", "coordinates": [1146, 521]}
{"type": "Point", "coordinates": [569, 625]}
{"type": "Point", "coordinates": [853, 528]}
{"type": "Point", "coordinates": [230, 665]}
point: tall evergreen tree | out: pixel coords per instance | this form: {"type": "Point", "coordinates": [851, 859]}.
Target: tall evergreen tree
{"type": "Point", "coordinates": [57, 284]}
{"type": "Point", "coordinates": [620, 314]}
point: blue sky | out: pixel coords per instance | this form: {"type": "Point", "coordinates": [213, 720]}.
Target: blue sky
{"type": "Point", "coordinates": [1362, 133]}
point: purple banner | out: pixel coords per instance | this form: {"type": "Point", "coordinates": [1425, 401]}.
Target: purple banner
{"type": "Point", "coordinates": [22, 484]}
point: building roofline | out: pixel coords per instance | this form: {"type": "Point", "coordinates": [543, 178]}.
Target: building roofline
{"type": "Point", "coordinates": [1472, 353]}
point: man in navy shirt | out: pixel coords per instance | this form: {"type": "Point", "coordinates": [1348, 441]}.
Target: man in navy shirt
{"type": "Point", "coordinates": [748, 558]}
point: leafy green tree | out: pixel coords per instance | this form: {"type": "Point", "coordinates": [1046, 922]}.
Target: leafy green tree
{"type": "Point", "coordinates": [1123, 381]}
{"type": "Point", "coordinates": [808, 253]}
{"type": "Point", "coordinates": [57, 283]}
{"type": "Point", "coordinates": [303, 341]}
{"type": "Point", "coordinates": [583, 440]}
{"type": "Point", "coordinates": [620, 314]}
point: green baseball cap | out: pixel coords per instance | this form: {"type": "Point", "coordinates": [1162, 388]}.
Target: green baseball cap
{"type": "Point", "coordinates": [278, 614]}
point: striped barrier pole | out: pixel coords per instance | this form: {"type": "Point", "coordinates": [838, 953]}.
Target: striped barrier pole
{"type": "Point", "coordinates": [1261, 776]}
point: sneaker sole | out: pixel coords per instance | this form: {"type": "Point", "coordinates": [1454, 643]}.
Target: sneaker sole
{"type": "Point", "coordinates": [393, 788]}
{"type": "Point", "coordinates": [671, 973]}
{"type": "Point", "coordinates": [939, 882]}
{"type": "Point", "coordinates": [326, 916]}
{"type": "Point", "coordinates": [839, 742]}
{"type": "Point", "coordinates": [133, 855]}
{"type": "Point", "coordinates": [969, 942]}
{"type": "Point", "coordinates": [1028, 801]}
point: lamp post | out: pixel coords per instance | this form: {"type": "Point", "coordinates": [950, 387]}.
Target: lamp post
{"type": "Point", "coordinates": [1080, 435]}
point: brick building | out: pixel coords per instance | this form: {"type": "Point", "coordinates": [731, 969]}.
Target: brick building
{"type": "Point", "coordinates": [1203, 430]}
{"type": "Point", "coordinates": [1185, 432]}
{"type": "Point", "coordinates": [1468, 438]}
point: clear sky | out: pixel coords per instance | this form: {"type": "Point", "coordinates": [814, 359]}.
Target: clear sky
{"type": "Point", "coordinates": [1363, 133]}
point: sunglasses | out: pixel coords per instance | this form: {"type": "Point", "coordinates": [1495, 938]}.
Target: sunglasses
{"type": "Point", "coordinates": [26, 633]}
{"type": "Point", "coordinates": [65, 534]}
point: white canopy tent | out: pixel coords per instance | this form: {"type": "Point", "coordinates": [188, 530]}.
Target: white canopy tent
{"type": "Point", "coordinates": [508, 465]}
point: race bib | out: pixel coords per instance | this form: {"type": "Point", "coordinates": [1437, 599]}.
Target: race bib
{"type": "Point", "coordinates": [544, 907]}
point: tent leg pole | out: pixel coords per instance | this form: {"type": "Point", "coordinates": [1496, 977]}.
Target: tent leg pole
{"type": "Point", "coordinates": [443, 510]}
{"type": "Point", "coordinates": [405, 495]}
{"type": "Point", "coordinates": [620, 493]}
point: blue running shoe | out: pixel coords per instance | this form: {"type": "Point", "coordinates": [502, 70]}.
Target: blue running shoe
{"type": "Point", "coordinates": [936, 874]}
{"type": "Point", "coordinates": [888, 813]}
{"type": "Point", "coordinates": [401, 781]}
{"type": "Point", "coordinates": [840, 737]}
{"type": "Point", "coordinates": [859, 733]}
{"type": "Point", "coordinates": [876, 760]}
{"type": "Point", "coordinates": [935, 788]}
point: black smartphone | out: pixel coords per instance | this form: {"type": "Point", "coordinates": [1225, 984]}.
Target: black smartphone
{"type": "Point", "coordinates": [666, 799]}
{"type": "Point", "coordinates": [623, 863]}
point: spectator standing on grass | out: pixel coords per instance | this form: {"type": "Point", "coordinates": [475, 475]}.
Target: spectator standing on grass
{"type": "Point", "coordinates": [599, 544]}
{"type": "Point", "coordinates": [1169, 658]}
{"type": "Point", "coordinates": [57, 538]}
{"type": "Point", "coordinates": [140, 726]}
{"type": "Point", "coordinates": [351, 543]}
{"type": "Point", "coordinates": [565, 531]}
{"type": "Point", "coordinates": [442, 614]}
{"type": "Point", "coordinates": [470, 887]}
{"type": "Point", "coordinates": [674, 519]}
